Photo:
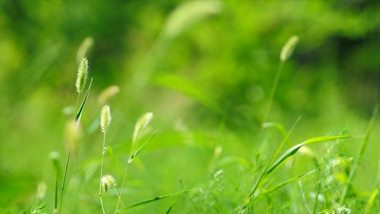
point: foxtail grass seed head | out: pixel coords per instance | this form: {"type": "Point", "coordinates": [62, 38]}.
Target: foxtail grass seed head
{"type": "Point", "coordinates": [41, 190]}
{"type": "Point", "coordinates": [288, 48]}
{"type": "Point", "coordinates": [108, 181]}
{"type": "Point", "coordinates": [105, 118]}
{"type": "Point", "coordinates": [142, 122]}
{"type": "Point", "coordinates": [107, 93]}
{"type": "Point", "coordinates": [82, 75]}
{"type": "Point", "coordinates": [72, 135]}
{"type": "Point", "coordinates": [84, 48]}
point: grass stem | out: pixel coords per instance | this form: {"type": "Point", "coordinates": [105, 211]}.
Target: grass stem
{"type": "Point", "coordinates": [101, 172]}
{"type": "Point", "coordinates": [273, 89]}
{"type": "Point", "coordinates": [122, 188]}
{"type": "Point", "coordinates": [64, 180]}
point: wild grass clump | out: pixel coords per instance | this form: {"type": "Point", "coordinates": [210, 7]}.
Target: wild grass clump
{"type": "Point", "coordinates": [236, 184]}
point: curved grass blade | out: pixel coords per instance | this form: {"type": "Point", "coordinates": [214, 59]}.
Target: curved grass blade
{"type": "Point", "coordinates": [286, 139]}
{"type": "Point", "coordinates": [279, 127]}
{"type": "Point", "coordinates": [141, 147]}
{"type": "Point", "coordinates": [79, 113]}
{"type": "Point", "coordinates": [174, 202]}
{"type": "Point", "coordinates": [290, 152]}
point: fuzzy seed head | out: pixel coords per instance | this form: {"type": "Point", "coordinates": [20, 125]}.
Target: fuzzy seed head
{"type": "Point", "coordinates": [72, 135]}
{"type": "Point", "coordinates": [142, 122]}
{"type": "Point", "coordinates": [41, 190]}
{"type": "Point", "coordinates": [105, 118]}
{"type": "Point", "coordinates": [82, 75]}
{"type": "Point", "coordinates": [107, 94]}
{"type": "Point", "coordinates": [108, 181]}
{"type": "Point", "coordinates": [288, 48]}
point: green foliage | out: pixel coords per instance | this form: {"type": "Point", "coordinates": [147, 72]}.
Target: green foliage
{"type": "Point", "coordinates": [211, 73]}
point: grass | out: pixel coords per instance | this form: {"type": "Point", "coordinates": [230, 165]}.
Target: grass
{"type": "Point", "coordinates": [189, 169]}
{"type": "Point", "coordinates": [215, 197]}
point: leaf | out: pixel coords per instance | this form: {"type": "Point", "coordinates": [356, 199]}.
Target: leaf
{"type": "Point", "coordinates": [290, 152]}
{"type": "Point", "coordinates": [79, 113]}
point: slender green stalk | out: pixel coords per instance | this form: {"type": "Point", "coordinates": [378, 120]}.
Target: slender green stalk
{"type": "Point", "coordinates": [273, 90]}
{"type": "Point", "coordinates": [157, 198]}
{"type": "Point", "coordinates": [118, 196]}
{"type": "Point", "coordinates": [56, 191]}
{"type": "Point", "coordinates": [304, 198]}
{"type": "Point", "coordinates": [122, 187]}
{"type": "Point", "coordinates": [259, 180]}
{"type": "Point", "coordinates": [101, 172]}
{"type": "Point", "coordinates": [55, 159]}
{"type": "Point", "coordinates": [64, 180]}
{"type": "Point", "coordinates": [360, 154]}
{"type": "Point", "coordinates": [318, 191]}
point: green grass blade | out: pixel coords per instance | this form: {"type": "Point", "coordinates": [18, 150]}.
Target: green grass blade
{"type": "Point", "coordinates": [325, 139]}
{"type": "Point", "coordinates": [110, 152]}
{"type": "Point", "coordinates": [157, 198]}
{"type": "Point", "coordinates": [279, 127]}
{"type": "Point", "coordinates": [174, 202]}
{"type": "Point", "coordinates": [371, 201]}
{"type": "Point", "coordinates": [64, 180]}
{"type": "Point", "coordinates": [286, 139]}
{"type": "Point", "coordinates": [292, 151]}
{"type": "Point", "coordinates": [278, 186]}
{"type": "Point", "coordinates": [79, 113]}
{"type": "Point", "coordinates": [141, 147]}
{"type": "Point", "coordinates": [361, 152]}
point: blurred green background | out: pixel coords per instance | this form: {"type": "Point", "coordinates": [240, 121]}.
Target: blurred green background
{"type": "Point", "coordinates": [205, 71]}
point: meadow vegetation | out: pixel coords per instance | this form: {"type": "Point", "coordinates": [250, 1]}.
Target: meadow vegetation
{"type": "Point", "coordinates": [189, 107]}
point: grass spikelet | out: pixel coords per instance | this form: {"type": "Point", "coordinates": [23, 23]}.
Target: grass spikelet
{"type": "Point", "coordinates": [107, 94]}
{"type": "Point", "coordinates": [285, 54]}
{"type": "Point", "coordinates": [105, 118]}
{"type": "Point", "coordinates": [108, 181]}
{"type": "Point", "coordinates": [82, 75]}
{"type": "Point", "coordinates": [188, 14]}
{"type": "Point", "coordinates": [41, 190]}
{"type": "Point", "coordinates": [84, 48]}
{"type": "Point", "coordinates": [142, 122]}
{"type": "Point", "coordinates": [288, 48]}
{"type": "Point", "coordinates": [105, 121]}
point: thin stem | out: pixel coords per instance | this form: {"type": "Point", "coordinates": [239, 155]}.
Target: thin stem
{"type": "Point", "coordinates": [318, 190]}
{"type": "Point", "coordinates": [101, 172]}
{"type": "Point", "coordinates": [64, 180]}
{"type": "Point", "coordinates": [118, 196]}
{"type": "Point", "coordinates": [273, 90]}
{"type": "Point", "coordinates": [56, 191]}
{"type": "Point", "coordinates": [303, 198]}
{"type": "Point", "coordinates": [122, 188]}
{"type": "Point", "coordinates": [76, 105]}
